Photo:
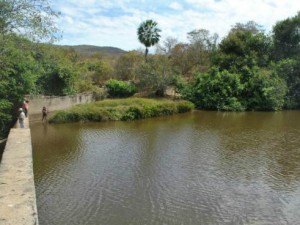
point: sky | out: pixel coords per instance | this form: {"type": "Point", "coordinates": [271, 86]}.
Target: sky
{"type": "Point", "coordinates": [114, 22]}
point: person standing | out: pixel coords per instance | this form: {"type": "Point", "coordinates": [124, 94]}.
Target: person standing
{"type": "Point", "coordinates": [44, 113]}
{"type": "Point", "coordinates": [21, 118]}
{"type": "Point", "coordinates": [26, 107]}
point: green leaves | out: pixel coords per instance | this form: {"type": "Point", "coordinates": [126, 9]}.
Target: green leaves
{"type": "Point", "coordinates": [29, 18]}
{"type": "Point", "coordinates": [286, 35]}
{"type": "Point", "coordinates": [148, 34]}
{"type": "Point", "coordinates": [222, 90]}
{"type": "Point", "coordinates": [21, 21]}
{"type": "Point", "coordinates": [118, 88]}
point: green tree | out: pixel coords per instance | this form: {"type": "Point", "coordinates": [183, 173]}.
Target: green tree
{"type": "Point", "coordinates": [155, 75]}
{"type": "Point", "coordinates": [33, 19]}
{"type": "Point", "coordinates": [100, 71]}
{"type": "Point", "coordinates": [288, 69]}
{"type": "Point", "coordinates": [286, 35]}
{"type": "Point", "coordinates": [148, 34]}
{"type": "Point", "coordinates": [126, 65]}
{"type": "Point", "coordinates": [222, 90]}
{"type": "Point", "coordinates": [180, 59]}
{"type": "Point", "coordinates": [201, 48]}
{"type": "Point", "coordinates": [286, 39]}
{"type": "Point", "coordinates": [18, 75]}
{"type": "Point", "coordinates": [265, 91]}
{"type": "Point", "coordinates": [215, 90]}
{"type": "Point", "coordinates": [21, 21]}
{"type": "Point", "coordinates": [245, 45]}
{"type": "Point", "coordinates": [59, 71]}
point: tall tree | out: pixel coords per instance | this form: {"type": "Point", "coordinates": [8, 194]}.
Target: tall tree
{"type": "Point", "coordinates": [286, 39]}
{"type": "Point", "coordinates": [33, 19]}
{"type": "Point", "coordinates": [286, 34]}
{"type": "Point", "coordinates": [21, 20]}
{"type": "Point", "coordinates": [245, 45]}
{"type": "Point", "coordinates": [148, 34]}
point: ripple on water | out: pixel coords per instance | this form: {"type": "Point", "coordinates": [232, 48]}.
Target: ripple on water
{"type": "Point", "coordinates": [202, 168]}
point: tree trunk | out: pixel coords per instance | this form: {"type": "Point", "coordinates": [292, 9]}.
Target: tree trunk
{"type": "Point", "coordinates": [146, 53]}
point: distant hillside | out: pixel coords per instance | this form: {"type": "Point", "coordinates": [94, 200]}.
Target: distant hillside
{"type": "Point", "coordinates": [87, 50]}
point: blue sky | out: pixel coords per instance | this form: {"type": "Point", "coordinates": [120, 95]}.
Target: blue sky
{"type": "Point", "coordinates": [115, 22]}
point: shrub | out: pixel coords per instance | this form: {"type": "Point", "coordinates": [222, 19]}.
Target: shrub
{"type": "Point", "coordinates": [184, 106]}
{"type": "Point", "coordinates": [133, 113]}
{"type": "Point", "coordinates": [125, 109]}
{"type": "Point", "coordinates": [121, 89]}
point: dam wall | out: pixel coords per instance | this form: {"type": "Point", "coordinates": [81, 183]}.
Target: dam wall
{"type": "Point", "coordinates": [17, 190]}
{"type": "Point", "coordinates": [54, 103]}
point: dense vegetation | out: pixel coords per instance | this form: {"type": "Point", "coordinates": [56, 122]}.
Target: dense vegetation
{"type": "Point", "coordinates": [246, 70]}
{"type": "Point", "coordinates": [122, 109]}
{"type": "Point", "coordinates": [119, 89]}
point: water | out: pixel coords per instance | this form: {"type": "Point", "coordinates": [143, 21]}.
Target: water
{"type": "Point", "coordinates": [205, 168]}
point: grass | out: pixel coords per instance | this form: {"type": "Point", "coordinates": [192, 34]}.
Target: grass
{"type": "Point", "coordinates": [121, 109]}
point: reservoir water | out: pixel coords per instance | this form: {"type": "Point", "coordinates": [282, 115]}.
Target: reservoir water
{"type": "Point", "coordinates": [202, 167]}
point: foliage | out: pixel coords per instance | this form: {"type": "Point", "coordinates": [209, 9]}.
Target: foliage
{"type": "Point", "coordinates": [289, 70]}
{"type": "Point", "coordinates": [128, 109]}
{"type": "Point", "coordinates": [155, 74]}
{"type": "Point", "coordinates": [286, 38]}
{"type": "Point", "coordinates": [243, 47]}
{"type": "Point", "coordinates": [215, 90]}
{"type": "Point", "coordinates": [225, 91]}
{"type": "Point", "coordinates": [59, 74]}
{"type": "Point", "coordinates": [266, 91]}
{"type": "Point", "coordinates": [18, 75]}
{"type": "Point", "coordinates": [100, 70]}
{"type": "Point", "coordinates": [148, 34]}
{"type": "Point", "coordinates": [126, 65]}
{"type": "Point", "coordinates": [119, 89]}
{"type": "Point", "coordinates": [33, 19]}
{"type": "Point", "coordinates": [21, 21]}
{"type": "Point", "coordinates": [286, 53]}
{"type": "Point", "coordinates": [5, 117]}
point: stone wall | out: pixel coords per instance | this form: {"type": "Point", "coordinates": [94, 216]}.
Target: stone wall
{"type": "Point", "coordinates": [53, 103]}
{"type": "Point", "coordinates": [17, 190]}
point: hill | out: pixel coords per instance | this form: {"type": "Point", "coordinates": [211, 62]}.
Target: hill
{"type": "Point", "coordinates": [88, 50]}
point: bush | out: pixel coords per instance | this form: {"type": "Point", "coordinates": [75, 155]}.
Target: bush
{"type": "Point", "coordinates": [5, 117]}
{"type": "Point", "coordinates": [133, 113]}
{"type": "Point", "coordinates": [120, 89]}
{"type": "Point", "coordinates": [125, 109]}
{"type": "Point", "coordinates": [250, 89]}
{"type": "Point", "coordinates": [154, 75]}
{"type": "Point", "coordinates": [215, 90]}
{"type": "Point", "coordinates": [232, 104]}
{"type": "Point", "coordinates": [184, 106]}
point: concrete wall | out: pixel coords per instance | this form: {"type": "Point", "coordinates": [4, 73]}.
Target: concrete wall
{"type": "Point", "coordinates": [17, 190]}
{"type": "Point", "coordinates": [54, 103]}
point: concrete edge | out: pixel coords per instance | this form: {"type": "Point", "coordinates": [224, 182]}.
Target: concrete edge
{"type": "Point", "coordinates": [17, 190]}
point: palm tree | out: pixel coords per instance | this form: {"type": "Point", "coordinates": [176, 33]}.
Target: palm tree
{"type": "Point", "coordinates": [148, 34]}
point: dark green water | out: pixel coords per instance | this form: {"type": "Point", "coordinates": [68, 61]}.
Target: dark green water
{"type": "Point", "coordinates": [205, 168]}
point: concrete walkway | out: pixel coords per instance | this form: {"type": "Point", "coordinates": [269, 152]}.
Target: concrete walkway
{"type": "Point", "coordinates": [17, 190]}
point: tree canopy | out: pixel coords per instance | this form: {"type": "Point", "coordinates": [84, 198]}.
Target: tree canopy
{"type": "Point", "coordinates": [148, 34]}
{"type": "Point", "coordinates": [22, 24]}
{"type": "Point", "coordinates": [33, 19]}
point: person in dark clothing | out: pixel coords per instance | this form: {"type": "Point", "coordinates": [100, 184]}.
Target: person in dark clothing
{"type": "Point", "coordinates": [44, 113]}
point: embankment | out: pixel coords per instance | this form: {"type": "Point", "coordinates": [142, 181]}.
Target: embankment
{"type": "Point", "coordinates": [54, 103]}
{"type": "Point", "coordinates": [17, 190]}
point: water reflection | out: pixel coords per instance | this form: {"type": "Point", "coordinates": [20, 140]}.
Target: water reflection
{"type": "Point", "coordinates": [196, 168]}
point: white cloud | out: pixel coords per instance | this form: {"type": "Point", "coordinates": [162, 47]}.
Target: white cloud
{"type": "Point", "coordinates": [176, 6]}
{"type": "Point", "coordinates": [114, 23]}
